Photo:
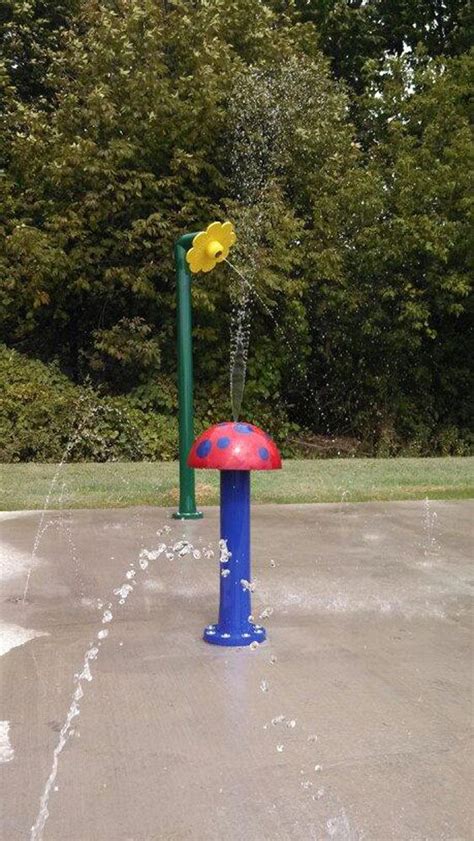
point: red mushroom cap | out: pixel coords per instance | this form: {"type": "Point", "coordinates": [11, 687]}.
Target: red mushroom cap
{"type": "Point", "coordinates": [234, 446]}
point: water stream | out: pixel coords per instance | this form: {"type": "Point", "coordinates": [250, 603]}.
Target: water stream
{"type": "Point", "coordinates": [83, 678]}
{"type": "Point", "coordinates": [240, 341]}
{"type": "Point", "coordinates": [42, 526]}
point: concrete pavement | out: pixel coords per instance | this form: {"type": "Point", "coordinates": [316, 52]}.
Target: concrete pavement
{"type": "Point", "coordinates": [351, 723]}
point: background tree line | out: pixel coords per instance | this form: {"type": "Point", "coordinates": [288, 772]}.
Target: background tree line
{"type": "Point", "coordinates": [335, 134]}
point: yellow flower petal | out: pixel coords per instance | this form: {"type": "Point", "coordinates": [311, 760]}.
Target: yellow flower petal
{"type": "Point", "coordinates": [227, 234]}
{"type": "Point", "coordinates": [200, 240]}
{"type": "Point", "coordinates": [214, 230]}
{"type": "Point", "coordinates": [207, 264]}
{"type": "Point", "coordinates": [193, 260]}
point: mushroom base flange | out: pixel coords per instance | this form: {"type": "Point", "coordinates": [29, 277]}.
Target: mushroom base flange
{"type": "Point", "coordinates": [217, 635]}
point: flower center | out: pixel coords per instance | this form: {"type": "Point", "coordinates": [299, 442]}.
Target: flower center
{"type": "Point", "coordinates": [214, 249]}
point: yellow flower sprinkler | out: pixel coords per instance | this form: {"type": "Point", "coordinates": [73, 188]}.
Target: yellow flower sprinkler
{"type": "Point", "coordinates": [210, 247]}
{"type": "Point", "coordinates": [198, 253]}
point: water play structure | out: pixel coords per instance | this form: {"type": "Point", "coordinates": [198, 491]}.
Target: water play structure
{"type": "Point", "coordinates": [198, 252]}
{"type": "Point", "coordinates": [235, 449]}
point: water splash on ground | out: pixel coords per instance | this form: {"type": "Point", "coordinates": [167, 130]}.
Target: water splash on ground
{"type": "Point", "coordinates": [85, 676]}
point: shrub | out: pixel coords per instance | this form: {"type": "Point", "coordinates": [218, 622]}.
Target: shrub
{"type": "Point", "coordinates": [44, 417]}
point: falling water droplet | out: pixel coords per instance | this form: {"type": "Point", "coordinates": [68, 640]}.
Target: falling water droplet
{"type": "Point", "coordinates": [247, 585]}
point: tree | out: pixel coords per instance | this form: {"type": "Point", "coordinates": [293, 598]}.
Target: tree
{"type": "Point", "coordinates": [31, 34]}
{"type": "Point", "coordinates": [137, 149]}
{"type": "Point", "coordinates": [149, 119]}
{"type": "Point", "coordinates": [399, 316]}
{"type": "Point", "coordinates": [353, 32]}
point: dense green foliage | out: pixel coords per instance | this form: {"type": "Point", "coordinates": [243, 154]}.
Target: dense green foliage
{"type": "Point", "coordinates": [354, 32]}
{"type": "Point", "coordinates": [337, 137]}
{"type": "Point", "coordinates": [40, 407]}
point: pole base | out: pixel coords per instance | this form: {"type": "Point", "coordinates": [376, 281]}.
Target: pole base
{"type": "Point", "coordinates": [187, 515]}
{"type": "Point", "coordinates": [218, 636]}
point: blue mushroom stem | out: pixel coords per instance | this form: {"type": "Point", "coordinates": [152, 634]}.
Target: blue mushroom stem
{"type": "Point", "coordinates": [234, 627]}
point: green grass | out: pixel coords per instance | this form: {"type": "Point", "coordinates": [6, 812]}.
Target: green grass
{"type": "Point", "coordinates": [26, 486]}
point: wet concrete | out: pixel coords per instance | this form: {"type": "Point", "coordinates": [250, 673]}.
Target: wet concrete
{"type": "Point", "coordinates": [373, 644]}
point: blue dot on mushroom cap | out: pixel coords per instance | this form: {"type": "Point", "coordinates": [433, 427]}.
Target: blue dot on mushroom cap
{"type": "Point", "coordinates": [263, 453]}
{"type": "Point", "coordinates": [203, 449]}
{"type": "Point", "coordinates": [243, 427]}
{"type": "Point", "coordinates": [223, 442]}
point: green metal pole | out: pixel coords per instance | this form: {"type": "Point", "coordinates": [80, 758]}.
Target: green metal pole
{"type": "Point", "coordinates": [187, 500]}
